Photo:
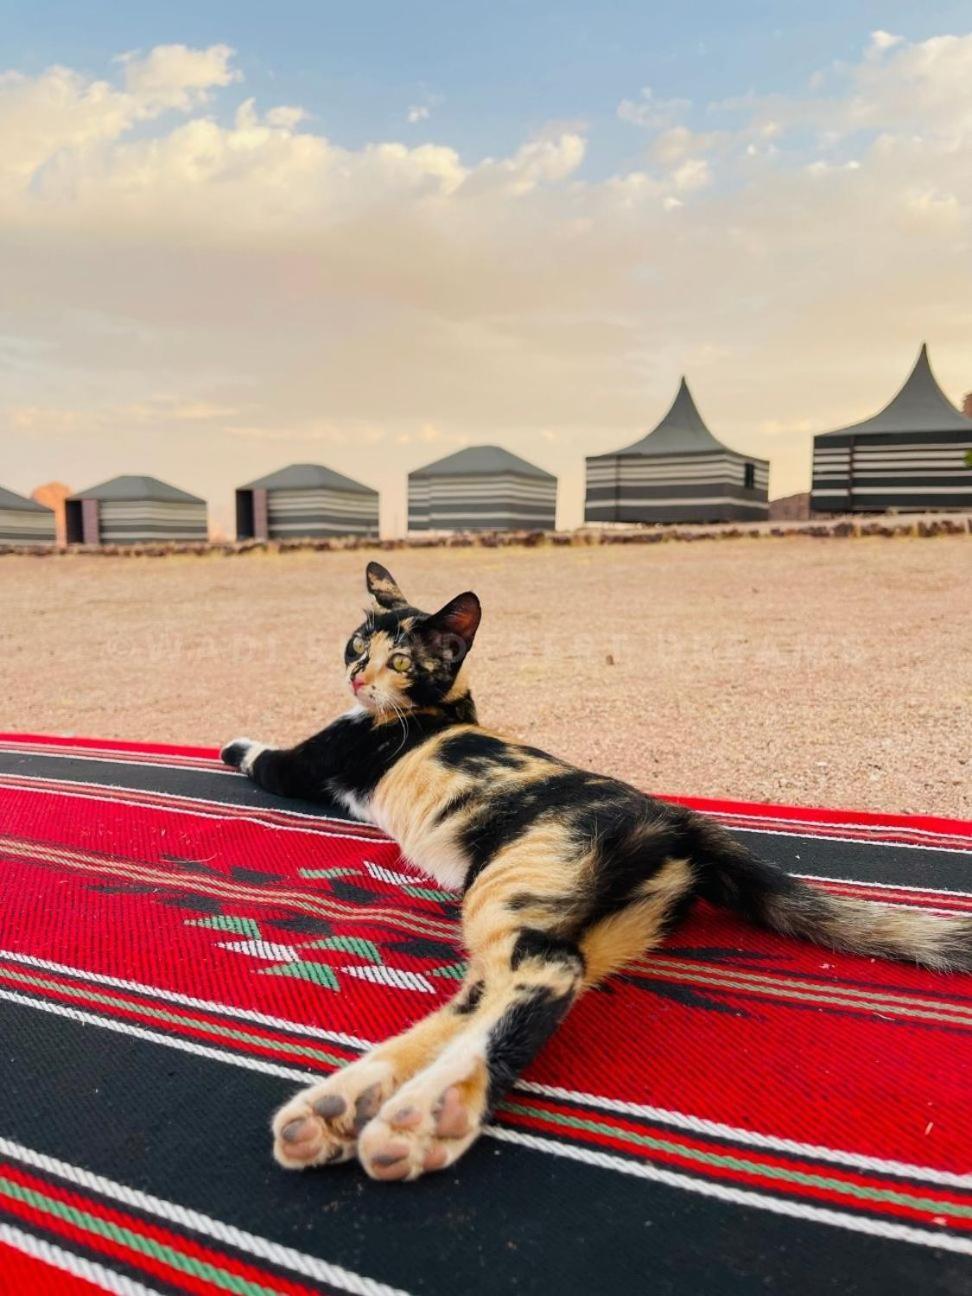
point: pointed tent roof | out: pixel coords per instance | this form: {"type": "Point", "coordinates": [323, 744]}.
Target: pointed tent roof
{"type": "Point", "coordinates": [681, 431]}
{"type": "Point", "coordinates": [482, 460]}
{"type": "Point", "coordinates": [138, 488]}
{"type": "Point", "coordinates": [11, 500]}
{"type": "Point", "coordinates": [920, 406]}
{"type": "Point", "coordinates": [307, 477]}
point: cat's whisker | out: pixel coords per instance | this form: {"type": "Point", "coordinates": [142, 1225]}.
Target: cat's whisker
{"type": "Point", "coordinates": [403, 721]}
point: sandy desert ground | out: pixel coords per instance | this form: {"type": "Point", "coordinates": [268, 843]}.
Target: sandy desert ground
{"type": "Point", "coordinates": [816, 672]}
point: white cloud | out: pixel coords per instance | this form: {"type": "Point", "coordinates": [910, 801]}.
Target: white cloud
{"type": "Point", "coordinates": [205, 295]}
{"type": "Point", "coordinates": [881, 41]}
{"type": "Point", "coordinates": [651, 111]}
{"type": "Point", "coordinates": [285, 117]}
{"type": "Point", "coordinates": [423, 108]}
{"type": "Point", "coordinates": [175, 76]}
{"type": "Point", "coordinates": [694, 173]}
{"type": "Point", "coordinates": [679, 142]}
{"type": "Point", "coordinates": [60, 112]}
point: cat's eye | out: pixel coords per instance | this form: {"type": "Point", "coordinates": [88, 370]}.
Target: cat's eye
{"type": "Point", "coordinates": [398, 662]}
{"type": "Point", "coordinates": [357, 645]}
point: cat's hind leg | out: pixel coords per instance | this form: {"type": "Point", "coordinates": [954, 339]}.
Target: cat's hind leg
{"type": "Point", "coordinates": [524, 980]}
{"type": "Point", "coordinates": [433, 1118]}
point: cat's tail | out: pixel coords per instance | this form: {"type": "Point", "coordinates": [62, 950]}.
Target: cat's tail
{"type": "Point", "coordinates": [732, 877]}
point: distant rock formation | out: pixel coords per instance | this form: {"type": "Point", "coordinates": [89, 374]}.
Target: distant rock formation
{"type": "Point", "coordinates": [791, 508]}
{"type": "Point", "coordinates": [52, 496]}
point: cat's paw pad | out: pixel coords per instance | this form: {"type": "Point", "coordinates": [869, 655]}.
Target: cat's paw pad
{"type": "Point", "coordinates": [320, 1125]}
{"type": "Point", "coordinates": [234, 753]}
{"type": "Point", "coordinates": [421, 1128]}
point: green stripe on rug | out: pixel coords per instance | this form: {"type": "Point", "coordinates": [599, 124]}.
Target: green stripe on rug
{"type": "Point", "coordinates": [137, 1242]}
{"type": "Point", "coordinates": [930, 1204]}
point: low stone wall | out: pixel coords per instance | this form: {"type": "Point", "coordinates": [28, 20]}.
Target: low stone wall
{"type": "Point", "coordinates": [857, 526]}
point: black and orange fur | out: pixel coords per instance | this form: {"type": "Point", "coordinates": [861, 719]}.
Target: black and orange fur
{"type": "Point", "coordinates": [565, 876]}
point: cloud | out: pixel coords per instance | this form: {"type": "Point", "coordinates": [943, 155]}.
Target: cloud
{"type": "Point", "coordinates": [896, 86]}
{"type": "Point", "coordinates": [693, 173]}
{"type": "Point", "coordinates": [430, 434]}
{"type": "Point", "coordinates": [422, 110]}
{"type": "Point", "coordinates": [207, 289]}
{"type": "Point", "coordinates": [61, 112]}
{"type": "Point", "coordinates": [881, 42]}
{"type": "Point", "coordinates": [679, 142]}
{"type": "Point", "coordinates": [651, 111]}
{"type": "Point", "coordinates": [175, 76]}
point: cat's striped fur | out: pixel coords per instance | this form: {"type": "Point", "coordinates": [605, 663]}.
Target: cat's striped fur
{"type": "Point", "coordinates": [565, 875]}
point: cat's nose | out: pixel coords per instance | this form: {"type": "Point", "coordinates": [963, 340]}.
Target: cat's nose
{"type": "Point", "coordinates": [357, 683]}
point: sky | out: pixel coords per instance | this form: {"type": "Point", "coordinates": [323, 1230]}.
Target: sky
{"type": "Point", "coordinates": [237, 236]}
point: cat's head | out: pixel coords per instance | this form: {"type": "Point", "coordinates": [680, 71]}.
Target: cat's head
{"type": "Point", "coordinates": [400, 658]}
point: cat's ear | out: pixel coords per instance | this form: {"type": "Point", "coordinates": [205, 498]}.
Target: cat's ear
{"type": "Point", "coordinates": [383, 588]}
{"type": "Point", "coordinates": [454, 626]}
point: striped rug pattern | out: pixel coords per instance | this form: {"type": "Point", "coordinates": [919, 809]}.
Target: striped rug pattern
{"type": "Point", "coordinates": [736, 1113]}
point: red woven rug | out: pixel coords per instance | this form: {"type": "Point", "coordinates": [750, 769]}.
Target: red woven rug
{"type": "Point", "coordinates": [737, 1113]}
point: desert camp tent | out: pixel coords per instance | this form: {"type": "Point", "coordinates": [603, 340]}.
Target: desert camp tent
{"type": "Point", "coordinates": [678, 472]}
{"type": "Point", "coordinates": [305, 501]}
{"type": "Point", "coordinates": [915, 454]}
{"type": "Point", "coordinates": [24, 521]}
{"type": "Point", "coordinates": [481, 488]}
{"type": "Point", "coordinates": [135, 510]}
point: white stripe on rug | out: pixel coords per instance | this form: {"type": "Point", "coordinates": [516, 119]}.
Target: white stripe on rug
{"type": "Point", "coordinates": [226, 1234]}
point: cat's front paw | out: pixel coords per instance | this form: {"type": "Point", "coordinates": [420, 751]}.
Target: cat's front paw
{"type": "Point", "coordinates": [240, 753]}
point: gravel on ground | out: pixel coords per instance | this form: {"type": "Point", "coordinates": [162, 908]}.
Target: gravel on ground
{"type": "Point", "coordinates": [803, 671]}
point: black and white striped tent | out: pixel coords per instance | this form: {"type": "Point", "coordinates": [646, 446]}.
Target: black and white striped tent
{"type": "Point", "coordinates": [481, 488]}
{"type": "Point", "coordinates": [24, 521]}
{"type": "Point", "coordinates": [915, 454]}
{"type": "Point", "coordinates": [134, 510]}
{"type": "Point", "coordinates": [678, 472]}
{"type": "Point", "coordinates": [305, 501]}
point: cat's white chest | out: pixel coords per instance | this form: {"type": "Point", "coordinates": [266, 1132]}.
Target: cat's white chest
{"type": "Point", "coordinates": [360, 807]}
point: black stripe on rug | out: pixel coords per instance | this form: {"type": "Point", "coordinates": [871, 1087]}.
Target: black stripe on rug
{"type": "Point", "coordinates": [510, 1218]}
{"type": "Point", "coordinates": [877, 862]}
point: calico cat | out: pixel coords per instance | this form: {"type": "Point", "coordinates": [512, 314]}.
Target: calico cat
{"type": "Point", "coordinates": [565, 876]}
